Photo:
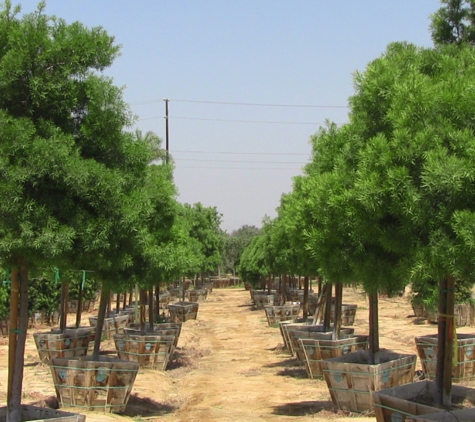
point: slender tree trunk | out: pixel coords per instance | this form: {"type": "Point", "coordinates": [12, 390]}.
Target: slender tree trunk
{"type": "Point", "coordinates": [104, 301]}
{"type": "Point", "coordinates": [14, 405]}
{"type": "Point", "coordinates": [117, 302]}
{"type": "Point", "coordinates": [137, 315]}
{"type": "Point", "coordinates": [79, 309]}
{"type": "Point", "coordinates": [64, 305]}
{"type": "Point", "coordinates": [373, 327]}
{"type": "Point", "coordinates": [337, 313]}
{"type": "Point", "coordinates": [143, 302]}
{"type": "Point", "coordinates": [328, 308]}
{"type": "Point", "coordinates": [319, 284]}
{"type": "Point", "coordinates": [157, 299]}
{"type": "Point", "coordinates": [151, 310]}
{"type": "Point", "coordinates": [124, 302]}
{"type": "Point", "coordinates": [305, 298]}
{"type": "Point", "coordinates": [445, 342]}
{"type": "Point", "coordinates": [131, 294]}
{"type": "Point", "coordinates": [320, 306]}
{"type": "Point", "coordinates": [12, 334]}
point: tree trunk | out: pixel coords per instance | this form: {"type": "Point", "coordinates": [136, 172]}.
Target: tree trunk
{"type": "Point", "coordinates": [305, 298]}
{"type": "Point", "coordinates": [150, 308]}
{"type": "Point", "coordinates": [337, 313]}
{"type": "Point", "coordinates": [117, 302]}
{"type": "Point", "coordinates": [157, 299]}
{"type": "Point", "coordinates": [445, 342]}
{"type": "Point", "coordinates": [64, 305]}
{"type": "Point", "coordinates": [373, 327]}
{"type": "Point", "coordinates": [143, 302]}
{"type": "Point", "coordinates": [80, 294]}
{"type": "Point", "coordinates": [124, 302]}
{"type": "Point", "coordinates": [320, 305]}
{"type": "Point", "coordinates": [105, 299]}
{"type": "Point", "coordinates": [328, 306]}
{"type": "Point", "coordinates": [14, 404]}
{"type": "Point", "coordinates": [131, 293]}
{"type": "Point", "coordinates": [12, 334]}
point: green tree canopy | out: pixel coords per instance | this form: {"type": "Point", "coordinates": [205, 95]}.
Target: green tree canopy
{"type": "Point", "coordinates": [454, 22]}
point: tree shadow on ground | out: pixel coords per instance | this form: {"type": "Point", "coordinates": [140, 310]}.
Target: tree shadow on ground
{"type": "Point", "coordinates": [284, 363]}
{"type": "Point", "coordinates": [305, 408]}
{"type": "Point", "coordinates": [145, 406]}
{"type": "Point", "coordinates": [299, 373]}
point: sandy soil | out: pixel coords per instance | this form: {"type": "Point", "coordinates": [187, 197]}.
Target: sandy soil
{"type": "Point", "coordinates": [231, 366]}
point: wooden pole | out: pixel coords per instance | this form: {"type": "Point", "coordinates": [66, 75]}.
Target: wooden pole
{"type": "Point", "coordinates": [320, 305]}
{"type": "Point", "coordinates": [64, 305]}
{"type": "Point", "coordinates": [105, 299]}
{"type": "Point", "coordinates": [150, 308]}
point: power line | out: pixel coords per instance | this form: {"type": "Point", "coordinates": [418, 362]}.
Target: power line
{"type": "Point", "coordinates": [239, 168]}
{"type": "Point", "coordinates": [234, 120]}
{"type": "Point", "coordinates": [238, 161]}
{"type": "Point", "coordinates": [242, 104]}
{"type": "Point", "coordinates": [242, 153]}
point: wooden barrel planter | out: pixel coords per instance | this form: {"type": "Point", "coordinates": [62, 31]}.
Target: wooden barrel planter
{"type": "Point", "coordinates": [164, 328]}
{"type": "Point", "coordinates": [199, 295]}
{"type": "Point", "coordinates": [41, 414]}
{"type": "Point", "coordinates": [276, 314]}
{"type": "Point", "coordinates": [261, 300]}
{"type": "Point", "coordinates": [183, 311]}
{"type": "Point", "coordinates": [44, 318]}
{"type": "Point", "coordinates": [419, 311]}
{"type": "Point", "coordinates": [315, 351]}
{"type": "Point", "coordinates": [164, 300]}
{"type": "Point", "coordinates": [351, 378]}
{"type": "Point", "coordinates": [4, 327]}
{"type": "Point", "coordinates": [296, 295]}
{"type": "Point", "coordinates": [174, 292]}
{"type": "Point", "coordinates": [247, 285]}
{"type": "Point", "coordinates": [151, 351]}
{"type": "Point", "coordinates": [87, 306]}
{"type": "Point", "coordinates": [221, 283]}
{"type": "Point", "coordinates": [112, 325]}
{"type": "Point", "coordinates": [464, 315]}
{"type": "Point", "coordinates": [465, 368]}
{"type": "Point", "coordinates": [316, 334]}
{"type": "Point", "coordinates": [411, 403]}
{"type": "Point", "coordinates": [348, 313]}
{"type": "Point", "coordinates": [285, 326]}
{"type": "Point", "coordinates": [103, 384]}
{"type": "Point", "coordinates": [69, 344]}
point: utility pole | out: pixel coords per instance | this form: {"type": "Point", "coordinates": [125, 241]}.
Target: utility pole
{"type": "Point", "coordinates": [166, 127]}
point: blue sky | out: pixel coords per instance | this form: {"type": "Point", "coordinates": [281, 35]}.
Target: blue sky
{"type": "Point", "coordinates": [202, 54]}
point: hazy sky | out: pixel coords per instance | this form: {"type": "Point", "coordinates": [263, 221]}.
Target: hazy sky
{"type": "Point", "coordinates": [201, 54]}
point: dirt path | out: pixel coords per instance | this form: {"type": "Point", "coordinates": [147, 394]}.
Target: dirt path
{"type": "Point", "coordinates": [230, 366]}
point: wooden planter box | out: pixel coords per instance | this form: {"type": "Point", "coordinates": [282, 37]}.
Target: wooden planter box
{"type": "Point", "coordinates": [285, 326]}
{"type": "Point", "coordinates": [221, 283]}
{"type": "Point", "coordinates": [4, 326]}
{"type": "Point", "coordinates": [310, 331]}
{"type": "Point", "coordinates": [351, 378]}
{"type": "Point", "coordinates": [151, 351]}
{"type": "Point", "coordinates": [261, 300]}
{"type": "Point", "coordinates": [400, 404]}
{"type": "Point", "coordinates": [296, 295]}
{"type": "Point", "coordinates": [164, 328]}
{"type": "Point", "coordinates": [41, 414]}
{"type": "Point", "coordinates": [348, 313]}
{"type": "Point", "coordinates": [276, 314]}
{"type": "Point", "coordinates": [87, 306]}
{"type": "Point", "coordinates": [174, 292]}
{"type": "Point", "coordinates": [183, 311]}
{"type": "Point", "coordinates": [464, 315]}
{"type": "Point", "coordinates": [197, 295]}
{"type": "Point", "coordinates": [112, 325]}
{"type": "Point", "coordinates": [44, 318]}
{"type": "Point", "coordinates": [315, 351]}
{"type": "Point", "coordinates": [419, 311]}
{"type": "Point", "coordinates": [72, 343]}
{"type": "Point", "coordinates": [104, 384]}
{"type": "Point", "coordinates": [465, 368]}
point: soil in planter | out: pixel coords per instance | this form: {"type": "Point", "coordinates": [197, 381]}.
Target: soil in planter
{"type": "Point", "coordinates": [458, 403]}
